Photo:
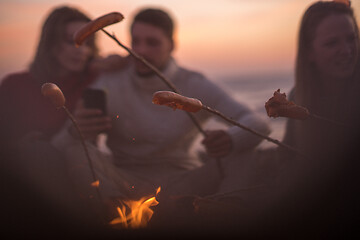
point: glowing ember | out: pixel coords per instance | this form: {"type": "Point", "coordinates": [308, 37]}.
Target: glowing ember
{"type": "Point", "coordinates": [95, 184]}
{"type": "Point", "coordinates": [136, 214]}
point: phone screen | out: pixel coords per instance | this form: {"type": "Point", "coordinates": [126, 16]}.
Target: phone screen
{"type": "Point", "coordinates": [95, 98]}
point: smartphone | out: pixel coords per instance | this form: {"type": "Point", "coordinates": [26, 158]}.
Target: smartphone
{"type": "Point", "coordinates": [95, 98]}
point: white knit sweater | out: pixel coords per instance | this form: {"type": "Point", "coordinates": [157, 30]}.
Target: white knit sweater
{"type": "Point", "coordinates": [145, 133]}
{"type": "Point", "coordinates": [148, 134]}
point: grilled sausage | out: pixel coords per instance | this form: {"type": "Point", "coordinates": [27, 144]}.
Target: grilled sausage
{"type": "Point", "coordinates": [95, 25]}
{"type": "Point", "coordinates": [177, 101]}
{"type": "Point", "coordinates": [279, 106]}
{"type": "Point", "coordinates": [53, 92]}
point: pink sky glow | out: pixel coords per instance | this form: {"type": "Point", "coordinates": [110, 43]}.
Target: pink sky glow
{"type": "Point", "coordinates": [215, 37]}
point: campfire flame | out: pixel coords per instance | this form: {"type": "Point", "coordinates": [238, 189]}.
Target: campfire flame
{"type": "Point", "coordinates": [136, 214]}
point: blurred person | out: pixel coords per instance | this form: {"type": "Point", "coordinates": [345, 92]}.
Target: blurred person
{"type": "Point", "coordinates": [327, 83]}
{"type": "Point", "coordinates": [29, 120]}
{"type": "Point", "coordinates": [317, 194]}
{"type": "Point", "coordinates": [327, 73]}
{"type": "Point", "coordinates": [150, 144]}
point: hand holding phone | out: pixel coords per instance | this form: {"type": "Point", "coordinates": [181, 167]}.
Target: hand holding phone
{"type": "Point", "coordinates": [95, 99]}
{"type": "Point", "coordinates": [90, 115]}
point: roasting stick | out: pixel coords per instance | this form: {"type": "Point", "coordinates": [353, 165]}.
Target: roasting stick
{"type": "Point", "coordinates": [327, 120]}
{"type": "Point", "coordinates": [229, 193]}
{"type": "Point", "coordinates": [156, 71]}
{"type": "Point", "coordinates": [279, 106]}
{"type": "Point", "coordinates": [114, 17]}
{"type": "Point", "coordinates": [277, 142]}
{"type": "Point", "coordinates": [170, 85]}
{"type": "Point", "coordinates": [53, 92]}
{"type": "Point", "coordinates": [143, 60]}
{"type": "Point", "coordinates": [111, 18]}
{"type": "Point", "coordinates": [177, 101]}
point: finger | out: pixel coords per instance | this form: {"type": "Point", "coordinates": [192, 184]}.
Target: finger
{"type": "Point", "coordinates": [227, 146]}
{"type": "Point", "coordinates": [217, 142]}
{"type": "Point", "coordinates": [208, 138]}
{"type": "Point", "coordinates": [219, 145]}
{"type": "Point", "coordinates": [87, 112]}
{"type": "Point", "coordinates": [216, 150]}
{"type": "Point", "coordinates": [218, 154]}
{"type": "Point", "coordinates": [94, 130]}
{"type": "Point", "coordinates": [221, 140]}
{"type": "Point", "coordinates": [89, 133]}
{"type": "Point", "coordinates": [212, 135]}
{"type": "Point", "coordinates": [94, 121]}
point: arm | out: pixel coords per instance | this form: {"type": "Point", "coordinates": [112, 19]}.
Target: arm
{"type": "Point", "coordinates": [91, 123]}
{"type": "Point", "coordinates": [239, 139]}
{"type": "Point", "coordinates": [110, 63]}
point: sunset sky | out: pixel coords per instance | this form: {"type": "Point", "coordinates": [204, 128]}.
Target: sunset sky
{"type": "Point", "coordinates": [215, 37]}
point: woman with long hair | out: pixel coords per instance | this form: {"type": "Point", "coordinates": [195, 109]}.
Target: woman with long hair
{"type": "Point", "coordinates": [316, 194]}
{"type": "Point", "coordinates": [24, 110]}
{"type": "Point", "coordinates": [326, 80]}
{"type": "Point", "coordinates": [34, 172]}
{"type": "Point", "coordinates": [322, 187]}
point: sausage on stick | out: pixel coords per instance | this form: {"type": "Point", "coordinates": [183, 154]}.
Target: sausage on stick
{"type": "Point", "coordinates": [177, 101]}
{"type": "Point", "coordinates": [85, 33]}
{"type": "Point", "coordinates": [279, 106]}
{"type": "Point", "coordinates": [54, 93]}
{"type": "Point", "coordinates": [96, 25]}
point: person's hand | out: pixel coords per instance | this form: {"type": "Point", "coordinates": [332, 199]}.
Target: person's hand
{"type": "Point", "coordinates": [91, 122]}
{"type": "Point", "coordinates": [217, 143]}
{"type": "Point", "coordinates": [110, 63]}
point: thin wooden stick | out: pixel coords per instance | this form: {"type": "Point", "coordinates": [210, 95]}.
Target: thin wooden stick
{"type": "Point", "coordinates": [216, 112]}
{"type": "Point", "coordinates": [85, 149]}
{"type": "Point", "coordinates": [157, 72]}
{"type": "Point", "coordinates": [167, 82]}
{"type": "Point", "coordinates": [226, 194]}
{"type": "Point", "coordinates": [143, 60]}
{"type": "Point", "coordinates": [327, 120]}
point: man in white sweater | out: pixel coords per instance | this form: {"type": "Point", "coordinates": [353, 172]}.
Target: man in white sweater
{"type": "Point", "coordinates": [150, 144]}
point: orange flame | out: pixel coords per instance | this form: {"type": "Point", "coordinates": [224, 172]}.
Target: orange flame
{"type": "Point", "coordinates": [136, 214]}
